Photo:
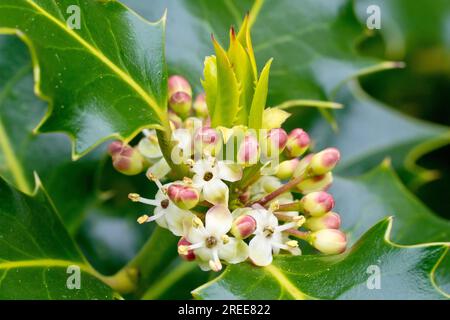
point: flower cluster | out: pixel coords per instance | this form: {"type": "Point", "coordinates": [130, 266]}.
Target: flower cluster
{"type": "Point", "coordinates": [248, 188]}
{"type": "Point", "coordinates": [230, 209]}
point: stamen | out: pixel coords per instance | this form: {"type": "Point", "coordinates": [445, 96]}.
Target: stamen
{"type": "Point", "coordinates": [187, 180]}
{"type": "Point", "coordinates": [153, 178]}
{"type": "Point", "coordinates": [225, 239]}
{"type": "Point", "coordinates": [292, 243]}
{"type": "Point", "coordinates": [137, 198]}
{"type": "Point", "coordinates": [197, 222]}
{"type": "Point", "coordinates": [143, 219]}
{"type": "Point", "coordinates": [274, 206]}
{"type": "Point", "coordinates": [215, 264]}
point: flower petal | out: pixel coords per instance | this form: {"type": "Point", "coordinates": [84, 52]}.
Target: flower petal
{"type": "Point", "coordinates": [234, 251]}
{"type": "Point", "coordinates": [175, 218]}
{"type": "Point", "coordinates": [160, 169]}
{"type": "Point", "coordinates": [216, 192]}
{"type": "Point", "coordinates": [218, 221]}
{"type": "Point", "coordinates": [229, 171]}
{"type": "Point", "coordinates": [260, 251]}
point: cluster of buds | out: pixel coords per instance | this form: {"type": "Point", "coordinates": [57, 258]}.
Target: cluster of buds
{"type": "Point", "coordinates": [249, 193]}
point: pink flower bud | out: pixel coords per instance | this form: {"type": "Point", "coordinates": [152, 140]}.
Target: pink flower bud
{"type": "Point", "coordinates": [178, 84]}
{"type": "Point", "coordinates": [183, 250]}
{"type": "Point", "coordinates": [324, 161]}
{"type": "Point", "coordinates": [329, 241]}
{"type": "Point", "coordinates": [317, 183]}
{"type": "Point", "coordinates": [207, 140]}
{"type": "Point", "coordinates": [248, 153]}
{"type": "Point", "coordinates": [126, 159]}
{"type": "Point", "coordinates": [180, 103]}
{"type": "Point", "coordinates": [297, 144]}
{"type": "Point", "coordinates": [275, 142]}
{"type": "Point", "coordinates": [286, 169]}
{"type": "Point", "coordinates": [317, 203]}
{"type": "Point", "coordinates": [243, 226]}
{"type": "Point", "coordinates": [185, 197]}
{"type": "Point", "coordinates": [330, 220]}
{"type": "Point", "coordinates": [200, 107]}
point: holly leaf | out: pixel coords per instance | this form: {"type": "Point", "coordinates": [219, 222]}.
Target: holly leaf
{"type": "Point", "coordinates": [405, 273]}
{"type": "Point", "coordinates": [71, 184]}
{"type": "Point", "coordinates": [123, 87]}
{"type": "Point", "coordinates": [36, 250]}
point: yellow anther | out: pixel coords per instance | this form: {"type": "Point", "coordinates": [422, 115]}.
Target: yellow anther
{"type": "Point", "coordinates": [292, 243]}
{"type": "Point", "coordinates": [197, 222]}
{"type": "Point", "coordinates": [187, 180]}
{"type": "Point", "coordinates": [134, 197]}
{"type": "Point", "coordinates": [274, 206]}
{"type": "Point", "coordinates": [151, 176]}
{"type": "Point", "coordinates": [183, 250]}
{"type": "Point", "coordinates": [225, 239]}
{"type": "Point", "coordinates": [300, 220]}
{"type": "Point", "coordinates": [142, 219]}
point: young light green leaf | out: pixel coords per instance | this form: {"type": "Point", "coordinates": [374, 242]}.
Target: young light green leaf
{"type": "Point", "coordinates": [227, 100]}
{"type": "Point", "coordinates": [209, 82]}
{"type": "Point", "coordinates": [259, 100]}
{"type": "Point", "coordinates": [242, 67]}
{"type": "Point", "coordinates": [123, 87]}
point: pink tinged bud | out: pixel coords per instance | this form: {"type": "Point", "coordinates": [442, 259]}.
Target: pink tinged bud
{"type": "Point", "coordinates": [317, 183]}
{"type": "Point", "coordinates": [286, 169]}
{"type": "Point", "coordinates": [297, 143]}
{"type": "Point", "coordinates": [275, 142]}
{"type": "Point", "coordinates": [317, 203]}
{"type": "Point", "coordinates": [200, 107]}
{"type": "Point", "coordinates": [330, 220]}
{"type": "Point", "coordinates": [324, 161]}
{"type": "Point", "coordinates": [126, 159]}
{"type": "Point", "coordinates": [185, 197]}
{"type": "Point", "coordinates": [185, 253]}
{"type": "Point", "coordinates": [243, 226]}
{"type": "Point", "coordinates": [207, 140]}
{"type": "Point", "coordinates": [180, 103]}
{"type": "Point", "coordinates": [248, 153]}
{"type": "Point", "coordinates": [178, 84]}
{"type": "Point", "coordinates": [329, 241]}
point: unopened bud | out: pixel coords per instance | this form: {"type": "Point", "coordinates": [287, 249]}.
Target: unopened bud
{"type": "Point", "coordinates": [330, 220]}
{"type": "Point", "coordinates": [180, 103]}
{"type": "Point", "coordinates": [329, 241]}
{"type": "Point", "coordinates": [126, 159]}
{"type": "Point", "coordinates": [185, 197]}
{"type": "Point", "coordinates": [248, 153]}
{"type": "Point", "coordinates": [200, 107]}
{"type": "Point", "coordinates": [302, 166]}
{"type": "Point", "coordinates": [275, 142]}
{"type": "Point", "coordinates": [286, 169]}
{"type": "Point", "coordinates": [183, 250]}
{"type": "Point", "coordinates": [243, 226]}
{"type": "Point", "coordinates": [180, 95]}
{"type": "Point", "coordinates": [317, 183]}
{"type": "Point", "coordinates": [324, 161]}
{"type": "Point", "coordinates": [207, 141]}
{"type": "Point", "coordinates": [317, 203]}
{"type": "Point", "coordinates": [297, 144]}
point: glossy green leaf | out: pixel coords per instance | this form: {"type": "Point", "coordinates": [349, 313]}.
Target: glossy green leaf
{"type": "Point", "coordinates": [123, 85]}
{"type": "Point", "coordinates": [406, 273]}
{"type": "Point", "coordinates": [259, 100]}
{"type": "Point", "coordinates": [22, 152]}
{"type": "Point", "coordinates": [36, 252]}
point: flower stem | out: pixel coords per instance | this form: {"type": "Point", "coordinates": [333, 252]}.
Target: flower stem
{"type": "Point", "coordinates": [284, 188]}
{"type": "Point", "coordinates": [303, 235]}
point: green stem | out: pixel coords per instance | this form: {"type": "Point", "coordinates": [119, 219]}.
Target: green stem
{"type": "Point", "coordinates": [284, 188]}
{"type": "Point", "coordinates": [166, 144]}
{"type": "Point", "coordinates": [164, 284]}
{"type": "Point", "coordinates": [157, 253]}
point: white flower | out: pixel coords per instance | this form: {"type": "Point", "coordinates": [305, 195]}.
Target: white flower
{"type": "Point", "coordinates": [166, 213]}
{"type": "Point", "coordinates": [210, 242]}
{"type": "Point", "coordinates": [269, 237]}
{"type": "Point", "coordinates": [208, 176]}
